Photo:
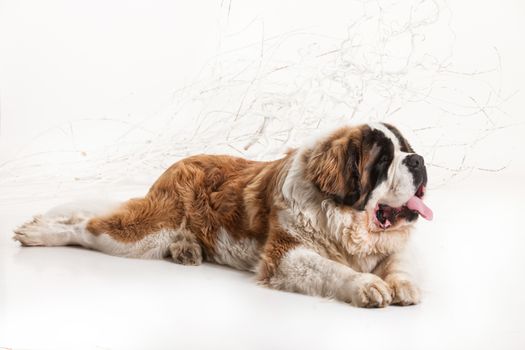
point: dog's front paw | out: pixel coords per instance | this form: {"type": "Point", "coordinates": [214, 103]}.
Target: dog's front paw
{"type": "Point", "coordinates": [404, 291]}
{"type": "Point", "coordinates": [369, 290]}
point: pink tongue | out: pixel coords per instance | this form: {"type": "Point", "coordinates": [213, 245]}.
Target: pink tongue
{"type": "Point", "coordinates": [415, 203]}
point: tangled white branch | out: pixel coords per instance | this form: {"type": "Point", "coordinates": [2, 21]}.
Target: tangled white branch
{"type": "Point", "coordinates": [259, 100]}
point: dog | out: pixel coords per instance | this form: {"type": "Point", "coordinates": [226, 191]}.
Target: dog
{"type": "Point", "coordinates": [328, 219]}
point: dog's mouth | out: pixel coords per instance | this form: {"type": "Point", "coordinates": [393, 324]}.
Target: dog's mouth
{"type": "Point", "coordinates": [386, 216]}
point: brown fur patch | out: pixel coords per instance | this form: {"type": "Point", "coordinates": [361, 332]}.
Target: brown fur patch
{"type": "Point", "coordinates": [203, 193]}
{"type": "Point", "coordinates": [340, 165]}
{"type": "Point", "coordinates": [327, 163]}
{"type": "Point", "coordinates": [278, 244]}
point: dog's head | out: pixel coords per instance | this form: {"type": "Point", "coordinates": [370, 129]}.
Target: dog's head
{"type": "Point", "coordinates": [372, 168]}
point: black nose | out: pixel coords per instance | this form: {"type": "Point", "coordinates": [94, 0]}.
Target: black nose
{"type": "Point", "coordinates": [415, 161]}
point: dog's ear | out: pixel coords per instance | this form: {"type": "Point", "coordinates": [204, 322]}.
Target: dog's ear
{"type": "Point", "coordinates": [333, 166]}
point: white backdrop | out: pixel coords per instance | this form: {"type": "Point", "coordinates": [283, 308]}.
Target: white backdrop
{"type": "Point", "coordinates": [115, 91]}
{"type": "Point", "coordinates": [98, 97]}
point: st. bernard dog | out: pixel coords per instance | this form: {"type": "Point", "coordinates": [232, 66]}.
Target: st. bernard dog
{"type": "Point", "coordinates": [327, 219]}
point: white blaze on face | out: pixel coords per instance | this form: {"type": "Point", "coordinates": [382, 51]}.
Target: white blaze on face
{"type": "Point", "coordinates": [399, 185]}
{"type": "Point", "coordinates": [399, 189]}
{"type": "Point", "coordinates": [401, 182]}
{"type": "Point", "coordinates": [388, 133]}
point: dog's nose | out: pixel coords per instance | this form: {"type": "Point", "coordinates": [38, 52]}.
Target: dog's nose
{"type": "Point", "coordinates": [415, 161]}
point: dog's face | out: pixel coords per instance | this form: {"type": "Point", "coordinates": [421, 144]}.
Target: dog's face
{"type": "Point", "coordinates": [371, 168]}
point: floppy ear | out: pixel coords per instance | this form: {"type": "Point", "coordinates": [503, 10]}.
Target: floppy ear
{"type": "Point", "coordinates": [333, 167]}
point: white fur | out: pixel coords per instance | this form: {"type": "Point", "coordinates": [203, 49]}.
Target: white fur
{"type": "Point", "coordinates": [351, 233]}
{"type": "Point", "coordinates": [398, 188]}
{"type": "Point", "coordinates": [387, 132]}
{"type": "Point", "coordinates": [301, 195]}
{"type": "Point", "coordinates": [242, 254]}
{"type": "Point", "coordinates": [402, 185]}
{"type": "Point", "coordinates": [302, 270]}
{"type": "Point", "coordinates": [339, 246]}
{"type": "Point", "coordinates": [153, 246]}
{"type": "Point", "coordinates": [66, 225]}
{"type": "Point", "coordinates": [330, 227]}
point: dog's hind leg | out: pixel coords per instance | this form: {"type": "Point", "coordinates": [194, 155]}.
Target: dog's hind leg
{"type": "Point", "coordinates": [147, 228]}
{"type": "Point", "coordinates": [50, 230]}
{"type": "Point", "coordinates": [62, 225]}
{"type": "Point", "coordinates": [140, 228]}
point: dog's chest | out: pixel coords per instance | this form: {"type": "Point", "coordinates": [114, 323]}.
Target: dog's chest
{"type": "Point", "coordinates": [339, 251]}
{"type": "Point", "coordinates": [337, 235]}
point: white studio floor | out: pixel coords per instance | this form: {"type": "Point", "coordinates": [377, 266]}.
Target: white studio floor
{"type": "Point", "coordinates": [469, 261]}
